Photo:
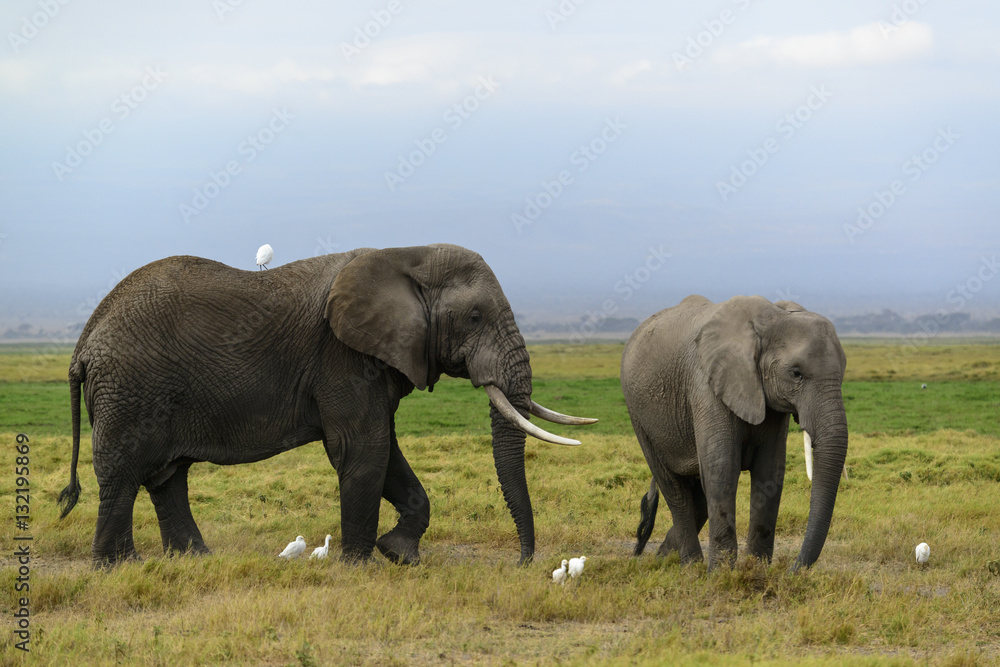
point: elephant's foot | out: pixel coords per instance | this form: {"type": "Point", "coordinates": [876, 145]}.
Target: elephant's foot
{"type": "Point", "coordinates": [399, 548]}
{"type": "Point", "coordinates": [688, 549]}
{"type": "Point", "coordinates": [719, 557]}
{"type": "Point", "coordinates": [110, 561]}
{"type": "Point", "coordinates": [192, 547]}
{"type": "Point", "coordinates": [355, 557]}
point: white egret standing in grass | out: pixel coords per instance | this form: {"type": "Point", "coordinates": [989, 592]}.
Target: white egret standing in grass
{"type": "Point", "coordinates": [294, 549]}
{"type": "Point", "coordinates": [576, 566]}
{"type": "Point", "coordinates": [323, 551]}
{"type": "Point", "coordinates": [264, 255]}
{"type": "Point", "coordinates": [559, 574]}
{"type": "Point", "coordinates": [923, 552]}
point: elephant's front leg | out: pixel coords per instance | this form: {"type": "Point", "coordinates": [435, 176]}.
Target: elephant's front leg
{"type": "Point", "coordinates": [362, 476]}
{"type": "Point", "coordinates": [767, 478]}
{"type": "Point", "coordinates": [407, 495]}
{"type": "Point", "coordinates": [720, 473]}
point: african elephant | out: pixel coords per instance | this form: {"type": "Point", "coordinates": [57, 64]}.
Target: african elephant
{"type": "Point", "coordinates": [709, 389]}
{"type": "Point", "coordinates": [190, 360]}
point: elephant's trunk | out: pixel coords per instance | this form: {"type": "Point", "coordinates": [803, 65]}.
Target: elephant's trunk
{"type": "Point", "coordinates": [508, 456]}
{"type": "Point", "coordinates": [827, 427]}
{"type": "Point", "coordinates": [514, 372]}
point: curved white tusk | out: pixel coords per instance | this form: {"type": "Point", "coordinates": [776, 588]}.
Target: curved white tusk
{"type": "Point", "coordinates": [543, 412]}
{"type": "Point", "coordinates": [501, 403]}
{"type": "Point", "coordinates": [808, 443]}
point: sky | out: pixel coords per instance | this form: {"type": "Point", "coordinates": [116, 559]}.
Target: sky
{"type": "Point", "coordinates": [603, 157]}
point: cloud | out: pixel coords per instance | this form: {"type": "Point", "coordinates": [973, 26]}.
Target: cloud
{"type": "Point", "coordinates": [862, 45]}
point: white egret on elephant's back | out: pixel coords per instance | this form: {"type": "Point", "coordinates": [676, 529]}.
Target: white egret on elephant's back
{"type": "Point", "coordinates": [294, 549]}
{"type": "Point", "coordinates": [264, 255]}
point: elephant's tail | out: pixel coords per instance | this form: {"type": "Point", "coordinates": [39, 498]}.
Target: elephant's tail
{"type": "Point", "coordinates": [69, 495]}
{"type": "Point", "coordinates": [647, 520]}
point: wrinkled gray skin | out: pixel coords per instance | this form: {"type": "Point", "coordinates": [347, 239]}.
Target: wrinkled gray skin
{"type": "Point", "coordinates": [189, 360]}
{"type": "Point", "coordinates": [709, 388]}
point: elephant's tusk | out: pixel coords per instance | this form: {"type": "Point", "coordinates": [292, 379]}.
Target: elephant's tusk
{"type": "Point", "coordinates": [501, 403]}
{"type": "Point", "coordinates": [807, 441]}
{"type": "Point", "coordinates": [543, 412]}
{"type": "Point", "coordinates": [808, 444]}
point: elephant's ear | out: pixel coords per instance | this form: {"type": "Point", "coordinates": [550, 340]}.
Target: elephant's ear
{"type": "Point", "coordinates": [790, 306]}
{"type": "Point", "coordinates": [377, 306]}
{"type": "Point", "coordinates": [728, 348]}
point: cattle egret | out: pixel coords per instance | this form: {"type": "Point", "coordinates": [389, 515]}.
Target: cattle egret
{"type": "Point", "coordinates": [559, 574]}
{"type": "Point", "coordinates": [576, 566]}
{"type": "Point", "coordinates": [264, 255]}
{"type": "Point", "coordinates": [923, 552]}
{"type": "Point", "coordinates": [323, 551]}
{"type": "Point", "coordinates": [294, 549]}
{"type": "Point", "coordinates": [923, 386]}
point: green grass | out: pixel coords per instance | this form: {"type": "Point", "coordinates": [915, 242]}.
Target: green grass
{"type": "Point", "coordinates": [455, 406]}
{"type": "Point", "coordinates": [924, 465]}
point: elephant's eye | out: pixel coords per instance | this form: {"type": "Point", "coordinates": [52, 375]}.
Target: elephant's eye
{"type": "Point", "coordinates": [796, 374]}
{"type": "Point", "coordinates": [474, 317]}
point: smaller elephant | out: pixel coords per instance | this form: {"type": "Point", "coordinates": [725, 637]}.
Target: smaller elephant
{"type": "Point", "coordinates": [709, 388]}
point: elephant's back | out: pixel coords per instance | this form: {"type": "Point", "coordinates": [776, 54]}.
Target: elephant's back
{"type": "Point", "coordinates": [662, 344]}
{"type": "Point", "coordinates": [183, 306]}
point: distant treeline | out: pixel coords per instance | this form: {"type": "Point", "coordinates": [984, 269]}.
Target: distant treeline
{"type": "Point", "coordinates": [885, 322]}
{"type": "Point", "coordinates": [888, 322]}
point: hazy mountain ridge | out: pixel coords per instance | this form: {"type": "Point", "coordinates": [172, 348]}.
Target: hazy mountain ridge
{"type": "Point", "coordinates": [592, 327]}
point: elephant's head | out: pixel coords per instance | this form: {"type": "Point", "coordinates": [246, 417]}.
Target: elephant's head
{"type": "Point", "coordinates": [436, 309]}
{"type": "Point", "coordinates": [761, 356]}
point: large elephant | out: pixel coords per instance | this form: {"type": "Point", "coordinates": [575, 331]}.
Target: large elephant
{"type": "Point", "coordinates": [190, 360]}
{"type": "Point", "coordinates": [709, 388]}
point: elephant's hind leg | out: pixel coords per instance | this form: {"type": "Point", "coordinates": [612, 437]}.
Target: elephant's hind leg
{"type": "Point", "coordinates": [173, 511]}
{"type": "Point", "coordinates": [689, 511]}
{"type": "Point", "coordinates": [113, 537]}
{"type": "Point", "coordinates": [407, 495]}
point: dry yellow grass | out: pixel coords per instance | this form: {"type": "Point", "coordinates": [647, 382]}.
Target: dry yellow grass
{"type": "Point", "coordinates": [469, 603]}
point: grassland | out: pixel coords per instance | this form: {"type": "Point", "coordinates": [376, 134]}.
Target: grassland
{"type": "Point", "coordinates": [924, 465]}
